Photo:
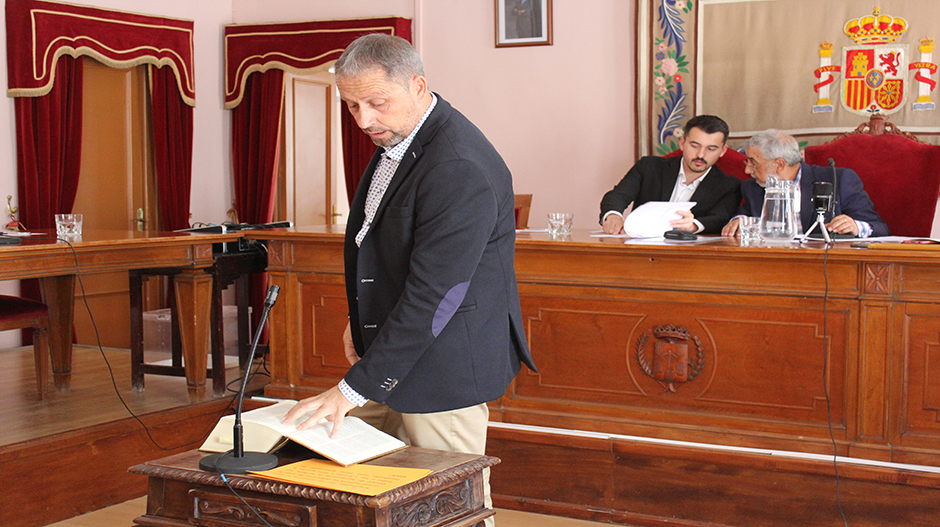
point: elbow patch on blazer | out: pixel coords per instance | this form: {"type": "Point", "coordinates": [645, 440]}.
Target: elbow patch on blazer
{"type": "Point", "coordinates": [447, 307]}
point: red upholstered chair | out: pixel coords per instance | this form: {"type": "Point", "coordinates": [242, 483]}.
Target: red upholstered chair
{"type": "Point", "coordinates": [900, 173]}
{"type": "Point", "coordinates": [731, 163]}
{"type": "Point", "coordinates": [21, 313]}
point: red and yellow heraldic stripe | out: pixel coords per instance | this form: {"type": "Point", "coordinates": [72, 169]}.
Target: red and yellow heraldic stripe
{"type": "Point", "coordinates": [857, 94]}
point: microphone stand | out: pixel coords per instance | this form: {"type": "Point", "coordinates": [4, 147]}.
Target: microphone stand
{"type": "Point", "coordinates": [835, 186]}
{"type": "Point", "coordinates": [822, 202]}
{"type": "Point", "coordinates": [821, 222]}
{"type": "Point", "coordinates": [237, 461]}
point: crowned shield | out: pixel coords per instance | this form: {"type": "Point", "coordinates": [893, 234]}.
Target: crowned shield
{"type": "Point", "coordinates": [873, 78]}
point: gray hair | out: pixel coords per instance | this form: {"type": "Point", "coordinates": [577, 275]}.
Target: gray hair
{"type": "Point", "coordinates": [394, 55]}
{"type": "Point", "coordinates": [774, 144]}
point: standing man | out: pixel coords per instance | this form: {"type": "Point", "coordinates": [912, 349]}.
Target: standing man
{"type": "Point", "coordinates": [774, 152]}
{"type": "Point", "coordinates": [693, 177]}
{"type": "Point", "coordinates": [435, 327]}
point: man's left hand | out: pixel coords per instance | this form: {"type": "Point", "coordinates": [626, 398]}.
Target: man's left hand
{"type": "Point", "coordinates": [331, 404]}
{"type": "Point", "coordinates": [685, 223]}
{"type": "Point", "coordinates": [843, 225]}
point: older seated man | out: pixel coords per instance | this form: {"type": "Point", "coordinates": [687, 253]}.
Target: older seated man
{"type": "Point", "coordinates": [774, 152]}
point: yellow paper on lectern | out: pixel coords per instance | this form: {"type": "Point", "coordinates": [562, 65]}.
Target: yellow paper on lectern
{"type": "Point", "coordinates": [367, 480]}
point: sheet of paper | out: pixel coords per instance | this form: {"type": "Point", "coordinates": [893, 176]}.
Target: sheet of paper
{"type": "Point", "coordinates": [652, 218]}
{"type": "Point", "coordinates": [366, 480]}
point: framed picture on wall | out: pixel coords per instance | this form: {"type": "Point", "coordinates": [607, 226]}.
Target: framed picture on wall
{"type": "Point", "coordinates": [523, 23]}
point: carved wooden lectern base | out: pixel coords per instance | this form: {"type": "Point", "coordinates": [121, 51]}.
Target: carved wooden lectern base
{"type": "Point", "coordinates": [182, 495]}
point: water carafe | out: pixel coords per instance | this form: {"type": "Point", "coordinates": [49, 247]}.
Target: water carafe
{"type": "Point", "coordinates": [778, 217]}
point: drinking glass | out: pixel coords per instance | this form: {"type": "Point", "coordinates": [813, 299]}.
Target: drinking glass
{"type": "Point", "coordinates": [68, 225]}
{"type": "Point", "coordinates": [560, 223]}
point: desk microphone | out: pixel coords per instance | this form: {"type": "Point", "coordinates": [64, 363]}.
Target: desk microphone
{"type": "Point", "coordinates": [822, 202]}
{"type": "Point", "coordinates": [835, 186]}
{"type": "Point", "coordinates": [237, 461]}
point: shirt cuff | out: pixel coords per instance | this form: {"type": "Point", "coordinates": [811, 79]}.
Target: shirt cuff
{"type": "Point", "coordinates": [698, 226]}
{"type": "Point", "coordinates": [350, 394]}
{"type": "Point", "coordinates": [608, 213]}
{"type": "Point", "coordinates": [864, 228]}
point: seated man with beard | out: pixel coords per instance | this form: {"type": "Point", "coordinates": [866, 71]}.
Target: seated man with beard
{"type": "Point", "coordinates": [691, 177]}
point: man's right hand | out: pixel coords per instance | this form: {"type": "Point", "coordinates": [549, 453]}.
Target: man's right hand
{"type": "Point", "coordinates": [731, 229]}
{"type": "Point", "coordinates": [613, 224]}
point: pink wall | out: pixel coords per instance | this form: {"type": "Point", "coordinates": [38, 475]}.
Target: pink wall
{"type": "Point", "coordinates": [561, 115]}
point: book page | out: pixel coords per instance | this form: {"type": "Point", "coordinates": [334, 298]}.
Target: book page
{"type": "Point", "coordinates": [271, 417]}
{"type": "Point", "coordinates": [357, 441]}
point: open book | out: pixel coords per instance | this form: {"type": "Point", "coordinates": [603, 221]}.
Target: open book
{"type": "Point", "coordinates": [263, 432]}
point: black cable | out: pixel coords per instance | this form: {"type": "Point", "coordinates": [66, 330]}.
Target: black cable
{"type": "Point", "coordinates": [117, 392]}
{"type": "Point", "coordinates": [835, 450]}
{"type": "Point", "coordinates": [255, 511]}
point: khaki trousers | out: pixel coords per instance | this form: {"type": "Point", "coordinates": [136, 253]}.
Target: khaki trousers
{"type": "Point", "coordinates": [461, 430]}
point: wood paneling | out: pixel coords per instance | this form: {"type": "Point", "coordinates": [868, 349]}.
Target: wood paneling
{"type": "Point", "coordinates": [657, 485]}
{"type": "Point", "coordinates": [790, 349]}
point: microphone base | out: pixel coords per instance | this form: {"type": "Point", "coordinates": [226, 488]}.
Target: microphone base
{"type": "Point", "coordinates": [227, 463]}
{"type": "Point", "coordinates": [821, 223]}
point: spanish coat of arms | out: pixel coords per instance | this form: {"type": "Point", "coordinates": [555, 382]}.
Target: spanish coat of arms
{"type": "Point", "coordinates": [875, 72]}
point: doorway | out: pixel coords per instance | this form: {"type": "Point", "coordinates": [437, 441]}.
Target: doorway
{"type": "Point", "coordinates": [116, 181]}
{"type": "Point", "coordinates": [311, 186]}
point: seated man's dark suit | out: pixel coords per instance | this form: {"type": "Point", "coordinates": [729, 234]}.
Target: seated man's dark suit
{"type": "Point", "coordinates": [433, 302]}
{"type": "Point", "coordinates": [853, 201]}
{"type": "Point", "coordinates": [654, 178]}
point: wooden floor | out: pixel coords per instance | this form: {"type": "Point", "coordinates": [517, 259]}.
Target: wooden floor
{"type": "Point", "coordinates": [92, 401]}
{"type": "Point", "coordinates": [123, 515]}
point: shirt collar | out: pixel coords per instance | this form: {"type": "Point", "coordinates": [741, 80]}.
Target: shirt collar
{"type": "Point", "coordinates": [697, 180]}
{"type": "Point", "coordinates": [397, 152]}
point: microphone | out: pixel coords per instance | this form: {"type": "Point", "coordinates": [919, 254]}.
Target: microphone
{"type": "Point", "coordinates": [822, 201]}
{"type": "Point", "coordinates": [822, 196]}
{"type": "Point", "coordinates": [835, 186]}
{"type": "Point", "coordinates": [237, 461]}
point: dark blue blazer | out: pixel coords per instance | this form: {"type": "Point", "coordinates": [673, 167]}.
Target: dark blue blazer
{"type": "Point", "coordinates": [852, 198]}
{"type": "Point", "coordinates": [433, 301]}
{"type": "Point", "coordinates": [654, 178]}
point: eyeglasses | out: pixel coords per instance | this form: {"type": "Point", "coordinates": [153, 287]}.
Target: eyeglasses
{"type": "Point", "coordinates": [753, 163]}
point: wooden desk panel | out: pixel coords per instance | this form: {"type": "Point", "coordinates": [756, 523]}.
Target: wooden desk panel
{"type": "Point", "coordinates": [764, 345]}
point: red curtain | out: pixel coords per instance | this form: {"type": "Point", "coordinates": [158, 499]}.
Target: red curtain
{"type": "Point", "coordinates": [173, 148]}
{"type": "Point", "coordinates": [49, 148]}
{"type": "Point", "coordinates": [256, 141]}
{"type": "Point", "coordinates": [357, 152]}
{"type": "Point", "coordinates": [48, 156]}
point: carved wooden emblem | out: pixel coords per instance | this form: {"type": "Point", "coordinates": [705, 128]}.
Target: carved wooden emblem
{"type": "Point", "coordinates": [432, 510]}
{"type": "Point", "coordinates": [672, 363]}
{"type": "Point", "coordinates": [276, 254]}
{"type": "Point", "coordinates": [877, 278]}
